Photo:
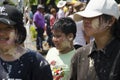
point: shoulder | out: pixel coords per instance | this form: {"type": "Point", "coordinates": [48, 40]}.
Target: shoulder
{"type": "Point", "coordinates": [36, 14]}
{"type": "Point", "coordinates": [36, 58]}
{"type": "Point", "coordinates": [83, 51]}
{"type": "Point", "coordinates": [52, 52]}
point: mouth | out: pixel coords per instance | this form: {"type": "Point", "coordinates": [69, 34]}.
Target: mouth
{"type": "Point", "coordinates": [4, 39]}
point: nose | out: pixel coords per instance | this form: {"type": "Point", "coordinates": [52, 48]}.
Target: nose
{"type": "Point", "coordinates": [54, 39]}
{"type": "Point", "coordinates": [2, 32]}
{"type": "Point", "coordinates": [87, 21]}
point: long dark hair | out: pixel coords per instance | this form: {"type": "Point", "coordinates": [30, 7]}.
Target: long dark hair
{"type": "Point", "coordinates": [115, 29]}
{"type": "Point", "coordinates": [20, 33]}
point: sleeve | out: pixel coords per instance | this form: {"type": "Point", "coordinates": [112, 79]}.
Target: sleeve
{"type": "Point", "coordinates": [35, 18]}
{"type": "Point", "coordinates": [41, 69]}
{"type": "Point", "coordinates": [73, 67]}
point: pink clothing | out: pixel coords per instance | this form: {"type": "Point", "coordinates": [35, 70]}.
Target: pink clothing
{"type": "Point", "coordinates": [52, 20]}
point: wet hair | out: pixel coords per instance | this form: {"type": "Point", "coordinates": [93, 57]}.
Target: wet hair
{"type": "Point", "coordinates": [5, 2]}
{"type": "Point", "coordinates": [20, 33]}
{"type": "Point", "coordinates": [115, 29]}
{"type": "Point", "coordinates": [66, 25]}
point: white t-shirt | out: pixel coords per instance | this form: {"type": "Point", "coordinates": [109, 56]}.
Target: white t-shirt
{"type": "Point", "coordinates": [60, 63]}
{"type": "Point", "coordinates": [60, 14]}
{"type": "Point", "coordinates": [79, 39]}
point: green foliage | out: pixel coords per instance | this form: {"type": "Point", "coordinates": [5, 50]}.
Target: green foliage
{"type": "Point", "coordinates": [10, 2]}
{"type": "Point", "coordinates": [33, 32]}
{"type": "Point", "coordinates": [49, 1]}
{"type": "Point", "coordinates": [33, 2]}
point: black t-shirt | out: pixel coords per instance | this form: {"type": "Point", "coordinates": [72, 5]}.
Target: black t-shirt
{"type": "Point", "coordinates": [30, 66]}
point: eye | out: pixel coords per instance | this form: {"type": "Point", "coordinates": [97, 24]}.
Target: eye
{"type": "Point", "coordinates": [9, 28]}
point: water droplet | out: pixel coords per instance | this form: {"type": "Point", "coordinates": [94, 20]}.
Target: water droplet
{"type": "Point", "coordinates": [3, 63]}
{"type": "Point", "coordinates": [19, 72]}
{"type": "Point", "coordinates": [21, 64]}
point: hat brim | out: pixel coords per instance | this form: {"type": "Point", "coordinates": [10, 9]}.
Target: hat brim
{"type": "Point", "coordinates": [87, 14]}
{"type": "Point", "coordinates": [59, 5]}
{"type": "Point", "coordinates": [7, 21]}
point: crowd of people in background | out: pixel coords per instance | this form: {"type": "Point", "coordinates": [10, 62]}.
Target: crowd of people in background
{"type": "Point", "coordinates": [65, 47]}
{"type": "Point", "coordinates": [64, 9]}
{"type": "Point", "coordinates": [75, 41]}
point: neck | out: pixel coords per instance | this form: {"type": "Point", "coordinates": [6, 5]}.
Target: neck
{"type": "Point", "coordinates": [66, 50]}
{"type": "Point", "coordinates": [12, 54]}
{"type": "Point", "coordinates": [102, 40]}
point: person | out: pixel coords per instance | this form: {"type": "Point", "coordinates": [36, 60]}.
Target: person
{"type": "Point", "coordinates": [81, 38]}
{"type": "Point", "coordinates": [99, 60]}
{"type": "Point", "coordinates": [17, 62]}
{"type": "Point", "coordinates": [79, 6]}
{"type": "Point", "coordinates": [39, 21]}
{"type": "Point", "coordinates": [60, 5]}
{"type": "Point", "coordinates": [70, 11]}
{"type": "Point", "coordinates": [50, 18]}
{"type": "Point", "coordinates": [64, 31]}
{"type": "Point", "coordinates": [28, 15]}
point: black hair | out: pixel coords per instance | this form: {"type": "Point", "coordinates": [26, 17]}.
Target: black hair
{"type": "Point", "coordinates": [20, 33]}
{"type": "Point", "coordinates": [5, 2]}
{"type": "Point", "coordinates": [115, 29]}
{"type": "Point", "coordinates": [66, 25]}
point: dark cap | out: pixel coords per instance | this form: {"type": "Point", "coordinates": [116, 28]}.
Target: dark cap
{"type": "Point", "coordinates": [10, 15]}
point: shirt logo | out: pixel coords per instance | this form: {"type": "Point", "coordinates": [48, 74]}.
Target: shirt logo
{"type": "Point", "coordinates": [2, 11]}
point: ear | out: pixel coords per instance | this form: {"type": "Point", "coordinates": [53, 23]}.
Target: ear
{"type": "Point", "coordinates": [111, 21]}
{"type": "Point", "coordinates": [70, 36]}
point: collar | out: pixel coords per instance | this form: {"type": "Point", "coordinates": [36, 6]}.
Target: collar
{"type": "Point", "coordinates": [106, 51]}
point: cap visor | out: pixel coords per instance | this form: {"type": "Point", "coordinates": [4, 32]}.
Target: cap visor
{"type": "Point", "coordinates": [7, 21]}
{"type": "Point", "coordinates": [88, 14]}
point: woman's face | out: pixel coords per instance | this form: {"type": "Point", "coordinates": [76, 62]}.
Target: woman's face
{"type": "Point", "coordinates": [61, 41]}
{"type": "Point", "coordinates": [7, 36]}
{"type": "Point", "coordinates": [94, 26]}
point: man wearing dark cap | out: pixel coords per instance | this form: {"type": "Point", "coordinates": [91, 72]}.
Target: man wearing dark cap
{"type": "Point", "coordinates": [39, 22]}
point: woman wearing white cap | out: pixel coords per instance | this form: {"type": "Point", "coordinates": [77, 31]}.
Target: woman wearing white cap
{"type": "Point", "coordinates": [99, 60]}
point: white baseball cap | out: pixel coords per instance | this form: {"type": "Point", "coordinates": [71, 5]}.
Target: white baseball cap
{"type": "Point", "coordinates": [61, 4]}
{"type": "Point", "coordinates": [98, 7]}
